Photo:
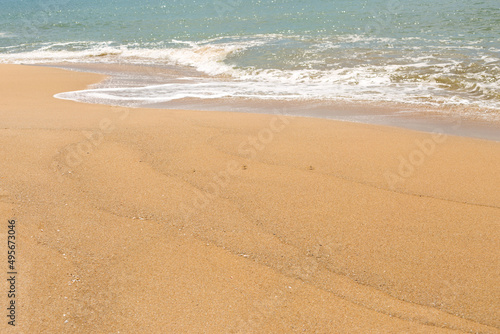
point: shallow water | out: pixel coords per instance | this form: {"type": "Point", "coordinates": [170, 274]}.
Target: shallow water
{"type": "Point", "coordinates": [425, 53]}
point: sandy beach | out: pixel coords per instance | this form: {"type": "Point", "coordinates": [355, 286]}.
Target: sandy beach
{"type": "Point", "coordinates": [179, 221]}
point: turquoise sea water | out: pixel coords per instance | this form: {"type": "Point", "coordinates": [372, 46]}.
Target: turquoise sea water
{"type": "Point", "coordinates": [440, 53]}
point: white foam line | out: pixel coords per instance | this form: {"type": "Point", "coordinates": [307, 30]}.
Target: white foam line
{"type": "Point", "coordinates": [370, 82]}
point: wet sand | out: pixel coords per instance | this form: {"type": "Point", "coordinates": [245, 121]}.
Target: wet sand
{"type": "Point", "coordinates": [459, 120]}
{"type": "Point", "coordinates": [180, 221]}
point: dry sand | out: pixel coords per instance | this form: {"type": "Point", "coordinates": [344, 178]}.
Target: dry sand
{"type": "Point", "coordinates": [176, 221]}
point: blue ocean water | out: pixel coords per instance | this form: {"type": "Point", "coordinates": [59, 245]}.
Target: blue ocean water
{"type": "Point", "coordinates": [421, 52]}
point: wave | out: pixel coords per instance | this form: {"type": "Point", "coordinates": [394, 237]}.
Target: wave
{"type": "Point", "coordinates": [202, 89]}
{"type": "Point", "coordinates": [291, 68]}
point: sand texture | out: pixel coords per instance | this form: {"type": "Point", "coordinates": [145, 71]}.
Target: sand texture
{"type": "Point", "coordinates": [177, 221]}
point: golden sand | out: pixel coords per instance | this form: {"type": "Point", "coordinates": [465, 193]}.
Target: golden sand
{"type": "Point", "coordinates": [178, 221]}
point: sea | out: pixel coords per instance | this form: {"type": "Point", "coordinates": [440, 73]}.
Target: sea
{"type": "Point", "coordinates": [263, 55]}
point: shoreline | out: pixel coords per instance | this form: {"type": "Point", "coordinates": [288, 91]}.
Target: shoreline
{"type": "Point", "coordinates": [240, 222]}
{"type": "Point", "coordinates": [457, 120]}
